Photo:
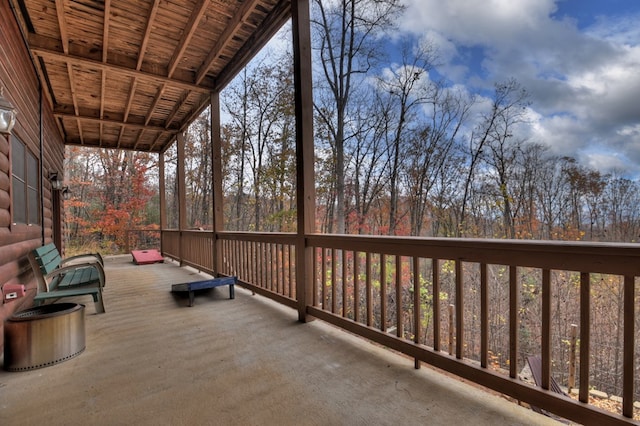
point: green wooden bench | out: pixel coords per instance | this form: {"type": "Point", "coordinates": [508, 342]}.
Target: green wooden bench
{"type": "Point", "coordinates": [75, 276]}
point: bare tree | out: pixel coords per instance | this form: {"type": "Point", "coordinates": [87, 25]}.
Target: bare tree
{"type": "Point", "coordinates": [345, 38]}
{"type": "Point", "coordinates": [495, 129]}
{"type": "Point", "coordinates": [431, 151]}
{"type": "Point", "coordinates": [404, 89]}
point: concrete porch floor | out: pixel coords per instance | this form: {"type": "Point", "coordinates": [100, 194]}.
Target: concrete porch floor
{"type": "Point", "coordinates": [152, 360]}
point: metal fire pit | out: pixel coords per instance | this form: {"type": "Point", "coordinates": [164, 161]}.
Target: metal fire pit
{"type": "Point", "coordinates": [43, 336]}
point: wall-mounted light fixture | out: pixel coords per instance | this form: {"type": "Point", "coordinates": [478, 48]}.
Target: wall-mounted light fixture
{"type": "Point", "coordinates": [7, 114]}
{"type": "Point", "coordinates": [66, 193]}
{"type": "Point", "coordinates": [56, 184]}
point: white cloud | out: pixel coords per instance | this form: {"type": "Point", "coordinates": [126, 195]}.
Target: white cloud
{"type": "Point", "coordinates": [475, 22]}
{"type": "Point", "coordinates": [584, 82]}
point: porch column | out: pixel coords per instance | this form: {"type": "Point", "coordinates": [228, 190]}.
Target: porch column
{"type": "Point", "coordinates": [216, 167]}
{"type": "Point", "coordinates": [182, 199]}
{"type": "Point", "coordinates": [162, 196]}
{"type": "Point", "coordinates": [305, 185]}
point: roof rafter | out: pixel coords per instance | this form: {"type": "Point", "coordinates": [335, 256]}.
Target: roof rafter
{"type": "Point", "coordinates": [105, 51]}
{"type": "Point", "coordinates": [88, 119]}
{"type": "Point", "coordinates": [48, 53]}
{"type": "Point", "coordinates": [226, 37]}
{"type": "Point", "coordinates": [63, 25]}
{"type": "Point", "coordinates": [192, 25]}
{"type": "Point", "coordinates": [147, 33]}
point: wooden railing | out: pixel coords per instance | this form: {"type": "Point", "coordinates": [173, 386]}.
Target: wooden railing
{"type": "Point", "coordinates": [265, 263]}
{"type": "Point", "coordinates": [138, 239]}
{"type": "Point", "coordinates": [398, 292]}
{"type": "Point", "coordinates": [190, 247]}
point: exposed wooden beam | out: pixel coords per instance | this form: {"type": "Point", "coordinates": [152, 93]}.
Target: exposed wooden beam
{"type": "Point", "coordinates": [154, 104]}
{"type": "Point", "coordinates": [74, 99]}
{"type": "Point", "coordinates": [105, 30]}
{"type": "Point", "coordinates": [176, 108]}
{"type": "Point", "coordinates": [138, 138]}
{"type": "Point", "coordinates": [194, 20]}
{"type": "Point", "coordinates": [112, 122]}
{"type": "Point", "coordinates": [132, 93]}
{"type": "Point", "coordinates": [105, 53]}
{"type": "Point", "coordinates": [155, 142]}
{"type": "Point", "coordinates": [117, 69]}
{"type": "Point", "coordinates": [72, 87]}
{"type": "Point", "coordinates": [278, 16]}
{"type": "Point", "coordinates": [119, 137]}
{"type": "Point", "coordinates": [232, 28]}
{"type": "Point", "coordinates": [204, 101]}
{"type": "Point", "coordinates": [147, 33]}
{"type": "Point", "coordinates": [64, 38]}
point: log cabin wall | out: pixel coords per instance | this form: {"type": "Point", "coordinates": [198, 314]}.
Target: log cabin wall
{"type": "Point", "coordinates": [22, 89]}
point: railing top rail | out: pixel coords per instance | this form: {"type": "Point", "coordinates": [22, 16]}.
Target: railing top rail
{"type": "Point", "coordinates": [261, 237]}
{"type": "Point", "coordinates": [612, 258]}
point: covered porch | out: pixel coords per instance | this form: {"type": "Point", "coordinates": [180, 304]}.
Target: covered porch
{"type": "Point", "coordinates": [153, 360]}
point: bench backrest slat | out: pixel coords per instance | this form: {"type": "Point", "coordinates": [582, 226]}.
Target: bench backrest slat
{"type": "Point", "coordinates": [48, 258]}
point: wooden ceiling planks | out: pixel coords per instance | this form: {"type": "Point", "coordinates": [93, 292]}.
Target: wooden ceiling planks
{"type": "Point", "coordinates": [133, 73]}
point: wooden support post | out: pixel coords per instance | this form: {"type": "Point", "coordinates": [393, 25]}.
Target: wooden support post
{"type": "Point", "coordinates": [216, 162]}
{"type": "Point", "coordinates": [163, 197]}
{"type": "Point", "coordinates": [305, 187]}
{"type": "Point", "coordinates": [162, 192]}
{"type": "Point", "coordinates": [182, 199]}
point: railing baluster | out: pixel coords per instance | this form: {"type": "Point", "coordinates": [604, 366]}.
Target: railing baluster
{"type": "Point", "coordinates": [344, 283]}
{"type": "Point", "coordinates": [272, 264]}
{"type": "Point", "coordinates": [292, 281]}
{"type": "Point", "coordinates": [628, 366]}
{"type": "Point", "coordinates": [356, 287]}
{"type": "Point", "coordinates": [383, 292]}
{"type": "Point", "coordinates": [546, 328]}
{"type": "Point", "coordinates": [513, 321]}
{"type": "Point", "coordinates": [268, 268]}
{"type": "Point", "coordinates": [435, 270]}
{"type": "Point", "coordinates": [262, 270]}
{"type": "Point", "coordinates": [247, 261]}
{"type": "Point", "coordinates": [368, 289]}
{"type": "Point", "coordinates": [315, 276]}
{"type": "Point", "coordinates": [416, 306]}
{"type": "Point", "coordinates": [459, 311]}
{"type": "Point", "coordinates": [334, 271]}
{"type": "Point", "coordinates": [279, 272]}
{"type": "Point", "coordinates": [324, 278]}
{"type": "Point", "coordinates": [484, 316]}
{"type": "Point", "coordinates": [399, 319]}
{"type": "Point", "coordinates": [585, 335]}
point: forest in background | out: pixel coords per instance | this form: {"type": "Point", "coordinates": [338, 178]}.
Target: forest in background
{"type": "Point", "coordinates": [397, 153]}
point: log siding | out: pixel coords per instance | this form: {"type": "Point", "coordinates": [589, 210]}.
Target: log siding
{"type": "Point", "coordinates": [37, 129]}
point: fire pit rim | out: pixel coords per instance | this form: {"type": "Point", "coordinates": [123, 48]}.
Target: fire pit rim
{"type": "Point", "coordinates": [45, 311]}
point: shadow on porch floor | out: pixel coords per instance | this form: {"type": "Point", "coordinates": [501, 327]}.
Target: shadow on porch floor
{"type": "Point", "coordinates": [151, 360]}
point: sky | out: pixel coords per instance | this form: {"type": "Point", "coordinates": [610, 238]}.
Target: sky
{"type": "Point", "coordinates": [578, 59]}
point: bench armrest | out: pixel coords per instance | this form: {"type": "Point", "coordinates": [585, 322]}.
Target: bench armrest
{"type": "Point", "coordinates": [64, 269]}
{"type": "Point", "coordinates": [86, 258]}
